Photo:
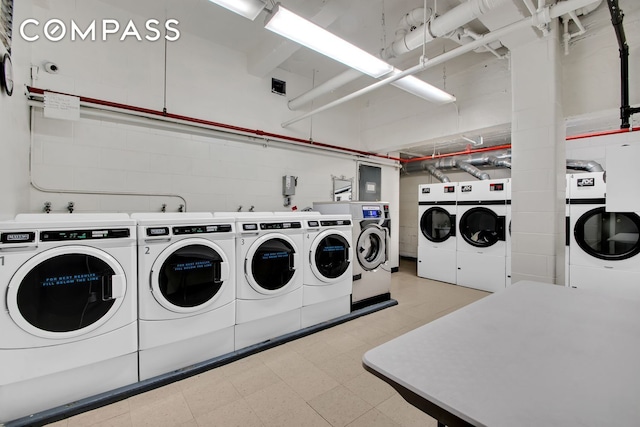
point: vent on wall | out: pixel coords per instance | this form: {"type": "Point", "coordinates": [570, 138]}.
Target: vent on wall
{"type": "Point", "coordinates": [6, 23]}
{"type": "Point", "coordinates": [278, 87]}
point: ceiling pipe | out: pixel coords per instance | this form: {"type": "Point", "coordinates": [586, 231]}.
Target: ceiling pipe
{"type": "Point", "coordinates": [436, 173]}
{"type": "Point", "coordinates": [441, 26]}
{"type": "Point", "coordinates": [324, 88]}
{"type": "Point", "coordinates": [542, 17]}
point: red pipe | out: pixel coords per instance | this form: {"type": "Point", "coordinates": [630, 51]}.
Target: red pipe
{"type": "Point", "coordinates": [459, 153]}
{"type": "Point", "coordinates": [602, 133]}
{"type": "Point", "coordinates": [261, 133]}
{"type": "Point", "coordinates": [257, 132]}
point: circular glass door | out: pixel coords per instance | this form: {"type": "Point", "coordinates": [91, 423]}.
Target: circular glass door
{"type": "Point", "coordinates": [330, 256]}
{"type": "Point", "coordinates": [481, 227]}
{"type": "Point", "coordinates": [66, 292]}
{"type": "Point", "coordinates": [608, 235]}
{"type": "Point", "coordinates": [437, 225]}
{"type": "Point", "coordinates": [189, 275]}
{"type": "Point", "coordinates": [273, 263]}
{"type": "Point", "coordinates": [371, 248]}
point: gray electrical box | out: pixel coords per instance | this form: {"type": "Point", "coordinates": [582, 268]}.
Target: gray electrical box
{"type": "Point", "coordinates": [289, 185]}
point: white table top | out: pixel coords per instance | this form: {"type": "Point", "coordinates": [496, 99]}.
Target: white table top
{"type": "Point", "coordinates": [531, 355]}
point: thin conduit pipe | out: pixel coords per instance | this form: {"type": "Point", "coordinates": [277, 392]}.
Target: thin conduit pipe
{"type": "Point", "coordinates": [530, 7]}
{"type": "Point", "coordinates": [159, 115]}
{"type": "Point", "coordinates": [543, 17]}
{"type": "Point", "coordinates": [86, 192]}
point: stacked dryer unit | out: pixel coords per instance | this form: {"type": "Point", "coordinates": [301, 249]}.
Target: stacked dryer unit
{"type": "Point", "coordinates": [269, 251]}
{"type": "Point", "coordinates": [437, 237]}
{"type": "Point", "coordinates": [371, 231]}
{"type": "Point", "coordinates": [508, 235]}
{"type": "Point", "coordinates": [481, 234]}
{"type": "Point", "coordinates": [605, 246]}
{"type": "Point", "coordinates": [328, 268]}
{"type": "Point", "coordinates": [186, 289]}
{"type": "Point", "coordinates": [68, 322]}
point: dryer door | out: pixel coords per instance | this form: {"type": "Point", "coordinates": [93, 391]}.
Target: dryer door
{"type": "Point", "coordinates": [272, 263]}
{"type": "Point", "coordinates": [330, 256]}
{"type": "Point", "coordinates": [371, 248]}
{"type": "Point", "coordinates": [189, 275]}
{"type": "Point", "coordinates": [608, 235]}
{"type": "Point", "coordinates": [482, 227]}
{"type": "Point", "coordinates": [437, 225]}
{"type": "Point", "coordinates": [66, 292]}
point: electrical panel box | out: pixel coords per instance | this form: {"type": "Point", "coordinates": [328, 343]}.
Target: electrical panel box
{"type": "Point", "coordinates": [289, 185]}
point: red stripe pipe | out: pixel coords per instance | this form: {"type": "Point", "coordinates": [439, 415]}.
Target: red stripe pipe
{"type": "Point", "coordinates": [602, 133]}
{"type": "Point", "coordinates": [257, 132]}
{"type": "Point", "coordinates": [261, 133]}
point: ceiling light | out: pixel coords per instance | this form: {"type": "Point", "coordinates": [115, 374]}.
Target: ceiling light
{"type": "Point", "coordinates": [248, 8]}
{"type": "Point", "coordinates": [306, 33]}
{"type": "Point", "coordinates": [289, 25]}
{"type": "Point", "coordinates": [422, 89]}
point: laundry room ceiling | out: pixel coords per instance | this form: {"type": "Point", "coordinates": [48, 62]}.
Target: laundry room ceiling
{"type": "Point", "coordinates": [368, 24]}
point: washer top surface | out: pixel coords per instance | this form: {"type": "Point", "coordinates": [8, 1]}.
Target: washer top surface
{"type": "Point", "coordinates": [64, 220]}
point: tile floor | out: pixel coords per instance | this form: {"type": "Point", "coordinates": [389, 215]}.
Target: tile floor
{"type": "Point", "coordinates": [317, 380]}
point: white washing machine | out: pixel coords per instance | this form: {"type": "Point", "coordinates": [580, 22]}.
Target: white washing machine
{"type": "Point", "coordinates": [605, 246]}
{"type": "Point", "coordinates": [481, 234]}
{"type": "Point", "coordinates": [68, 322]}
{"type": "Point", "coordinates": [186, 278]}
{"type": "Point", "coordinates": [437, 237]}
{"type": "Point", "coordinates": [328, 268]}
{"type": "Point", "coordinates": [567, 229]}
{"type": "Point", "coordinates": [508, 236]}
{"type": "Point", "coordinates": [372, 273]}
{"type": "Point", "coordinates": [269, 252]}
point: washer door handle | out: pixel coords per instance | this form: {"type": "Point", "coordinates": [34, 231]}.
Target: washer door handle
{"type": "Point", "coordinates": [117, 287]}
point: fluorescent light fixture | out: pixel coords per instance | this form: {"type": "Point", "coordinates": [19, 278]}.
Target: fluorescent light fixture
{"type": "Point", "coordinates": [424, 90]}
{"type": "Point", "coordinates": [286, 23]}
{"type": "Point", "coordinates": [248, 8]}
{"type": "Point", "coordinates": [306, 33]}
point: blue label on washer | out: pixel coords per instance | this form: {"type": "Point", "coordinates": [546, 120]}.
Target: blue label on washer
{"type": "Point", "coordinates": [72, 279]}
{"type": "Point", "coordinates": [275, 255]}
{"type": "Point", "coordinates": [333, 248]}
{"type": "Point", "coordinates": [192, 265]}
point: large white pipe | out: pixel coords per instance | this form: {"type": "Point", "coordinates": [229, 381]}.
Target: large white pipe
{"type": "Point", "coordinates": [444, 24]}
{"type": "Point", "coordinates": [324, 88]}
{"type": "Point", "coordinates": [540, 18]}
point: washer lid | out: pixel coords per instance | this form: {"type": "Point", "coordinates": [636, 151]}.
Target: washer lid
{"type": "Point", "coordinates": [189, 275]}
{"type": "Point", "coordinates": [371, 248]}
{"type": "Point", "coordinates": [330, 256]}
{"type": "Point", "coordinates": [66, 292]}
{"type": "Point", "coordinates": [271, 264]}
{"type": "Point", "coordinates": [608, 235]}
{"type": "Point", "coordinates": [437, 224]}
{"type": "Point", "coordinates": [482, 227]}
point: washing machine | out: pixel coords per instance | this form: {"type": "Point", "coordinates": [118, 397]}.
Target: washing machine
{"type": "Point", "coordinates": [186, 289]}
{"type": "Point", "coordinates": [508, 217]}
{"type": "Point", "coordinates": [269, 274]}
{"type": "Point", "coordinates": [68, 322]}
{"type": "Point", "coordinates": [567, 229]}
{"type": "Point", "coordinates": [605, 246]}
{"type": "Point", "coordinates": [437, 237]}
{"type": "Point", "coordinates": [481, 234]}
{"type": "Point", "coordinates": [371, 272]}
{"type": "Point", "coordinates": [328, 268]}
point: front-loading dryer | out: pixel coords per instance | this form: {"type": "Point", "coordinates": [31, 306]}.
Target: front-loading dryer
{"type": "Point", "coordinates": [371, 272]}
{"type": "Point", "coordinates": [437, 226]}
{"type": "Point", "coordinates": [68, 322]}
{"type": "Point", "coordinates": [481, 240]}
{"type": "Point", "coordinates": [186, 267]}
{"type": "Point", "coordinates": [269, 277]}
{"type": "Point", "coordinates": [605, 246]}
{"type": "Point", "coordinates": [328, 268]}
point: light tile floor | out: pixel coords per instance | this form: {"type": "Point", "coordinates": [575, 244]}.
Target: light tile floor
{"type": "Point", "coordinates": [317, 380]}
